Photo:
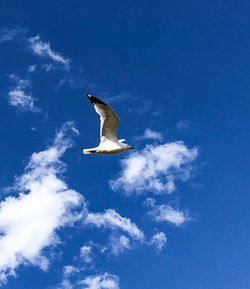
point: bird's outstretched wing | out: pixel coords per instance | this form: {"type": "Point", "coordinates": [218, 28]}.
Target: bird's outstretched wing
{"type": "Point", "coordinates": [109, 119]}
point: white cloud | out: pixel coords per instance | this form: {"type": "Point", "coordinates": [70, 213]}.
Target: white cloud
{"type": "Point", "coordinates": [86, 253]}
{"type": "Point", "coordinates": [155, 168]}
{"type": "Point", "coordinates": [104, 281]}
{"type": "Point", "coordinates": [19, 98]}
{"type": "Point", "coordinates": [150, 134]}
{"type": "Point", "coordinates": [149, 202]}
{"type": "Point", "coordinates": [43, 49]}
{"type": "Point", "coordinates": [166, 213]}
{"type": "Point", "coordinates": [111, 219]}
{"type": "Point", "coordinates": [69, 270]}
{"type": "Point", "coordinates": [159, 240]}
{"type": "Point", "coordinates": [118, 244]}
{"type": "Point", "coordinates": [28, 222]}
{"type": "Point", "coordinates": [66, 284]}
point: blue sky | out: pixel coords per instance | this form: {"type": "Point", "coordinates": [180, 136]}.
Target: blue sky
{"type": "Point", "coordinates": [174, 213]}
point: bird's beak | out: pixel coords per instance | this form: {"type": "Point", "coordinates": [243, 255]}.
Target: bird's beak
{"type": "Point", "coordinates": [132, 148]}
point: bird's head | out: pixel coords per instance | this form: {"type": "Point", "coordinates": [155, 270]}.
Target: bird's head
{"type": "Point", "coordinates": [130, 147]}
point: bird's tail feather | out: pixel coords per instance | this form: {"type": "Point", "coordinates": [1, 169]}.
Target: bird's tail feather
{"type": "Point", "coordinates": [89, 151]}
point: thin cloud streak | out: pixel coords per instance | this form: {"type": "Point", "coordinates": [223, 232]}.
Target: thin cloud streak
{"type": "Point", "coordinates": [111, 219]}
{"type": "Point", "coordinates": [43, 49]}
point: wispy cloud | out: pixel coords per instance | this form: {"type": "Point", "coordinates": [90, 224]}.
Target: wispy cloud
{"type": "Point", "coordinates": [10, 34]}
{"type": "Point", "coordinates": [115, 98]}
{"type": "Point", "coordinates": [19, 97]}
{"type": "Point", "coordinates": [183, 125]}
{"type": "Point", "coordinates": [69, 270]}
{"type": "Point", "coordinates": [44, 204]}
{"type": "Point", "coordinates": [86, 253]}
{"type": "Point", "coordinates": [66, 284]}
{"type": "Point", "coordinates": [166, 213]}
{"type": "Point", "coordinates": [102, 281]}
{"type": "Point", "coordinates": [43, 49]}
{"type": "Point", "coordinates": [151, 134]}
{"type": "Point", "coordinates": [159, 240]}
{"type": "Point", "coordinates": [32, 68]}
{"type": "Point", "coordinates": [98, 281]}
{"type": "Point", "coordinates": [111, 219]}
{"type": "Point", "coordinates": [155, 168]}
{"type": "Point", "coordinates": [118, 244]}
{"type": "Point", "coordinates": [35, 44]}
{"type": "Point", "coordinates": [145, 106]}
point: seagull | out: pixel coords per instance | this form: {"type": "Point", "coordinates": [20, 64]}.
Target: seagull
{"type": "Point", "coordinates": [109, 144]}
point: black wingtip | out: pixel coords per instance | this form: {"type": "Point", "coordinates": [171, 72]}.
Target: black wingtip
{"type": "Point", "coordinates": [94, 99]}
{"type": "Point", "coordinates": [89, 97]}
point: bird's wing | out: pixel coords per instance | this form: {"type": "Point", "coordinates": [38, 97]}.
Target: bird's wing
{"type": "Point", "coordinates": [109, 119]}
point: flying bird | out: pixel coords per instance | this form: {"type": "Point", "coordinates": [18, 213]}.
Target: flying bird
{"type": "Point", "coordinates": [109, 144]}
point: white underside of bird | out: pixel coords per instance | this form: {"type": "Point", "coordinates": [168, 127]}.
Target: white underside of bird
{"type": "Point", "coordinates": [109, 144]}
{"type": "Point", "coordinates": [107, 147]}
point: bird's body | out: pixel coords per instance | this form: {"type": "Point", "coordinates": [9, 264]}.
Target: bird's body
{"type": "Point", "coordinates": [107, 147]}
{"type": "Point", "coordinates": [109, 144]}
